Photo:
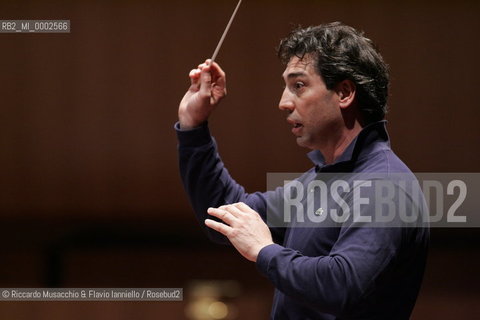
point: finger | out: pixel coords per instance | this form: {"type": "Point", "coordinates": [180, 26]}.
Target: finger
{"type": "Point", "coordinates": [218, 75]}
{"type": "Point", "coordinates": [223, 215]}
{"type": "Point", "coordinates": [215, 69]}
{"type": "Point", "coordinates": [217, 226]}
{"type": "Point", "coordinates": [230, 208]}
{"type": "Point", "coordinates": [233, 210]}
{"type": "Point", "coordinates": [224, 207]}
{"type": "Point", "coordinates": [194, 73]}
{"type": "Point", "coordinates": [194, 78]}
{"type": "Point", "coordinates": [206, 82]}
{"type": "Point", "coordinates": [244, 208]}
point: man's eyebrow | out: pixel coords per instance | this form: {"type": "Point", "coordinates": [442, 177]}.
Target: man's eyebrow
{"type": "Point", "coordinates": [296, 75]}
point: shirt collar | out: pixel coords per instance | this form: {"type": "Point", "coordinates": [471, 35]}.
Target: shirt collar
{"type": "Point", "coordinates": [371, 138]}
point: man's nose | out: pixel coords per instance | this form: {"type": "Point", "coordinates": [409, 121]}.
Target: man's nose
{"type": "Point", "coordinates": [286, 103]}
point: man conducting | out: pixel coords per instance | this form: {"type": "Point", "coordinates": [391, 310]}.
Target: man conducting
{"type": "Point", "coordinates": [336, 88]}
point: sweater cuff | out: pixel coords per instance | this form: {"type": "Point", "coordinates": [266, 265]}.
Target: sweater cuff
{"type": "Point", "coordinates": [265, 255]}
{"type": "Point", "coordinates": [195, 137]}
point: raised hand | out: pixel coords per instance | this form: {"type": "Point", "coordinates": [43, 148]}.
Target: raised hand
{"type": "Point", "coordinates": [208, 87]}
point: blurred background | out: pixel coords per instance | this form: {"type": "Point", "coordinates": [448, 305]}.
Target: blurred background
{"type": "Point", "coordinates": [90, 194]}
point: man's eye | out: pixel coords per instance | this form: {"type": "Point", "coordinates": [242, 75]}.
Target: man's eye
{"type": "Point", "coordinates": [299, 85]}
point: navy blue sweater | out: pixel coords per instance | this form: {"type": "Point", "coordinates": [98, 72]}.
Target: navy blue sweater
{"type": "Point", "coordinates": [342, 271]}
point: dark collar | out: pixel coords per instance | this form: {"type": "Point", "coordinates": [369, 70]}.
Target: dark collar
{"type": "Point", "coordinates": [372, 138]}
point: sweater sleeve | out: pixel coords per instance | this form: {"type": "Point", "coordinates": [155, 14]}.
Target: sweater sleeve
{"type": "Point", "coordinates": [362, 258]}
{"type": "Point", "coordinates": [209, 184]}
{"type": "Point", "coordinates": [336, 282]}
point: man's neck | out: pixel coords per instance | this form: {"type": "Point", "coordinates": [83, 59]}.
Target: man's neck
{"type": "Point", "coordinates": [334, 151]}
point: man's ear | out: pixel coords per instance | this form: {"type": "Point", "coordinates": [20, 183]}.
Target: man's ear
{"type": "Point", "coordinates": [346, 91]}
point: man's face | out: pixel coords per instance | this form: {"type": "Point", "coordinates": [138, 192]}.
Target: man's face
{"type": "Point", "coordinates": [314, 110]}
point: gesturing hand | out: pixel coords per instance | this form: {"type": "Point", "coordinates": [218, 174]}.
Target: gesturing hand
{"type": "Point", "coordinates": [208, 87]}
{"type": "Point", "coordinates": [243, 227]}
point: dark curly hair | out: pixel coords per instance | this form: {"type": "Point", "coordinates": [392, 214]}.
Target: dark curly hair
{"type": "Point", "coordinates": [341, 53]}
